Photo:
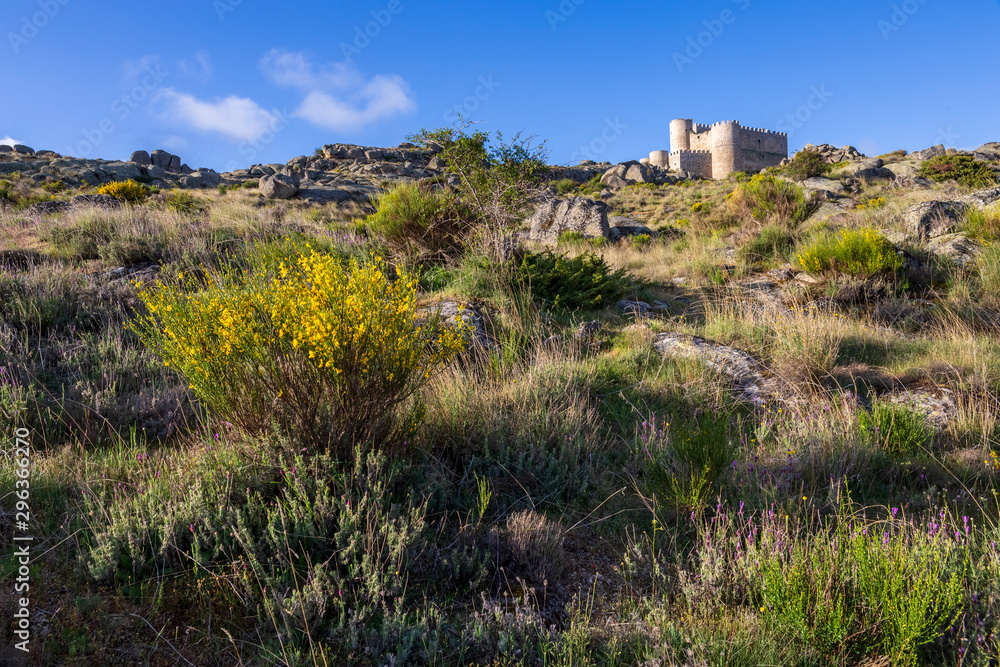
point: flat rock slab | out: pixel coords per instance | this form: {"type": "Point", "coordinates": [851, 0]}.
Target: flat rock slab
{"type": "Point", "coordinates": [937, 406]}
{"type": "Point", "coordinates": [746, 374]}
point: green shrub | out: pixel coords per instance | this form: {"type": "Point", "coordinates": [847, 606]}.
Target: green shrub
{"type": "Point", "coordinates": [129, 191]}
{"type": "Point", "coordinates": [571, 237]}
{"type": "Point", "coordinates": [895, 428]}
{"type": "Point", "coordinates": [640, 241]}
{"type": "Point", "coordinates": [857, 589]}
{"type": "Point", "coordinates": [962, 168]}
{"type": "Point", "coordinates": [54, 186]}
{"type": "Point", "coordinates": [862, 253]}
{"type": "Point", "coordinates": [326, 350]}
{"type": "Point", "coordinates": [583, 282]}
{"type": "Point", "coordinates": [773, 242]}
{"type": "Point", "coordinates": [416, 218]}
{"type": "Point", "coordinates": [983, 224]}
{"type": "Point", "coordinates": [181, 201]}
{"type": "Point", "coordinates": [805, 164]}
{"type": "Point", "coordinates": [768, 199]}
{"type": "Point", "coordinates": [564, 186]}
{"type": "Point", "coordinates": [684, 463]}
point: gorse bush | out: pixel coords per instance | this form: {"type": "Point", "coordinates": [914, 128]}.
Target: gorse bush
{"type": "Point", "coordinates": [863, 252]}
{"type": "Point", "coordinates": [768, 199]}
{"type": "Point", "coordinates": [416, 218]}
{"type": "Point", "coordinates": [129, 191]}
{"type": "Point", "coordinates": [805, 164]}
{"type": "Point", "coordinates": [326, 350]}
{"type": "Point", "coordinates": [583, 282]}
{"type": "Point", "coordinates": [962, 168]}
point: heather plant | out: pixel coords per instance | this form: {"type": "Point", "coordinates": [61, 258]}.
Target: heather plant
{"type": "Point", "coordinates": [129, 192]}
{"type": "Point", "coordinates": [766, 199]}
{"type": "Point", "coordinates": [328, 351]}
{"type": "Point", "coordinates": [863, 253]}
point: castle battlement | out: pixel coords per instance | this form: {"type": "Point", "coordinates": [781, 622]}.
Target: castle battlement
{"type": "Point", "coordinates": [719, 149]}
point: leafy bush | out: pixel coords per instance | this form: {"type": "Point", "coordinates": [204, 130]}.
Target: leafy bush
{"type": "Point", "coordinates": [498, 179]}
{"type": "Point", "coordinates": [872, 204]}
{"type": "Point", "coordinates": [129, 191]}
{"type": "Point", "coordinates": [895, 428]}
{"type": "Point", "coordinates": [863, 252]}
{"type": "Point", "coordinates": [768, 199]}
{"type": "Point", "coordinates": [54, 186]}
{"type": "Point", "coordinates": [773, 242]}
{"type": "Point", "coordinates": [805, 164]}
{"type": "Point", "coordinates": [962, 168]}
{"type": "Point", "coordinates": [640, 241]}
{"type": "Point", "coordinates": [416, 218]}
{"type": "Point", "coordinates": [564, 186]}
{"type": "Point", "coordinates": [326, 350]}
{"type": "Point", "coordinates": [568, 283]}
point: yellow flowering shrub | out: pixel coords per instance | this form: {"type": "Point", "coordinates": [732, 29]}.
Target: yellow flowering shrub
{"type": "Point", "coordinates": [330, 351]}
{"type": "Point", "coordinates": [862, 252]}
{"type": "Point", "coordinates": [129, 191]}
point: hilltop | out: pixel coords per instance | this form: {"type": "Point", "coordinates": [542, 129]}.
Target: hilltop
{"type": "Point", "coordinates": [444, 403]}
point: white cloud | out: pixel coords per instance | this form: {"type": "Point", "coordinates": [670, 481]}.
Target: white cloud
{"type": "Point", "coordinates": [236, 117]}
{"type": "Point", "coordinates": [338, 97]}
{"type": "Point", "coordinates": [7, 141]}
{"type": "Point", "coordinates": [382, 97]}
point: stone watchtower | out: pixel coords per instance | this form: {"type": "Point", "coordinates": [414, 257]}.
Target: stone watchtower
{"type": "Point", "coordinates": [715, 151]}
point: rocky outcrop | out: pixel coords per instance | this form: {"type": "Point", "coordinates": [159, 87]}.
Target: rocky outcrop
{"type": "Point", "coordinates": [955, 248]}
{"type": "Point", "coordinates": [279, 186]}
{"type": "Point", "coordinates": [869, 170]}
{"type": "Point", "coordinates": [933, 218]}
{"type": "Point", "coordinates": [745, 374]}
{"type": "Point", "coordinates": [832, 154]}
{"type": "Point", "coordinates": [929, 153]}
{"type": "Point", "coordinates": [553, 217]}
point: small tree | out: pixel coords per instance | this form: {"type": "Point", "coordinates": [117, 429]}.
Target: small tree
{"type": "Point", "coordinates": [499, 179]}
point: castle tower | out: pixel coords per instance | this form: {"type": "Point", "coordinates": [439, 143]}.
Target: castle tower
{"type": "Point", "coordinates": [680, 134]}
{"type": "Point", "coordinates": [725, 148]}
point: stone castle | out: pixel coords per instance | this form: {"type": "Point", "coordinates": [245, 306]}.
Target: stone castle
{"type": "Point", "coordinates": [715, 151]}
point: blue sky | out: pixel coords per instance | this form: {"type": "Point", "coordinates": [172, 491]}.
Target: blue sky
{"type": "Point", "coordinates": [229, 83]}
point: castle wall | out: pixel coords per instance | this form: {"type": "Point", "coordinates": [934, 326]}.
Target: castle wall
{"type": "Point", "coordinates": [759, 149]}
{"type": "Point", "coordinates": [696, 162]}
{"type": "Point", "coordinates": [715, 151]}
